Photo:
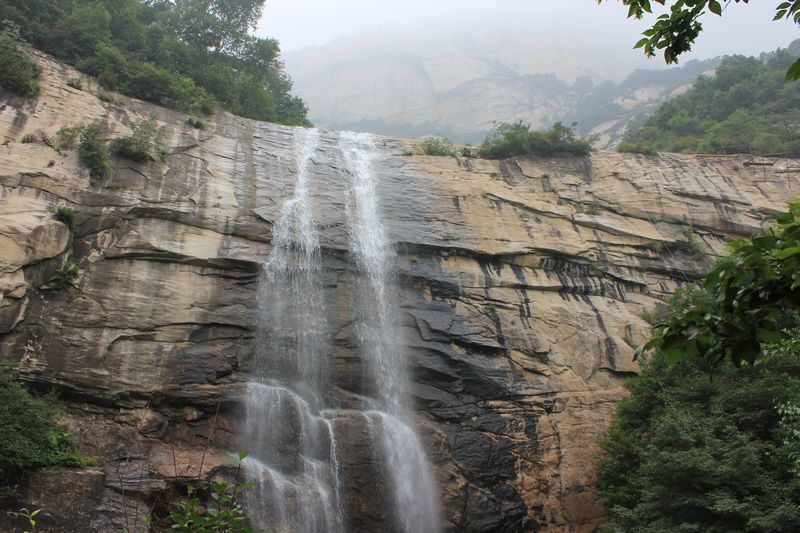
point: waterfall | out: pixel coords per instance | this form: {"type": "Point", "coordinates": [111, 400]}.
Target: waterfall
{"type": "Point", "coordinates": [291, 443]}
{"type": "Point", "coordinates": [416, 500]}
{"type": "Point", "coordinates": [291, 413]}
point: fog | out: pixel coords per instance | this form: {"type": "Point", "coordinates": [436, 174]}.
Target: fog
{"type": "Point", "coordinates": [456, 67]}
{"type": "Point", "coordinates": [300, 24]}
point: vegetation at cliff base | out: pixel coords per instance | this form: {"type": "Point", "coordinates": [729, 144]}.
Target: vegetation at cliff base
{"type": "Point", "coordinates": [190, 55]}
{"type": "Point", "coordinates": [29, 435]}
{"type": "Point", "coordinates": [223, 512]}
{"type": "Point", "coordinates": [19, 72]}
{"type": "Point", "coordinates": [709, 439]}
{"type": "Point", "coordinates": [690, 453]}
{"type": "Point", "coordinates": [744, 107]}
{"type": "Point", "coordinates": [517, 139]}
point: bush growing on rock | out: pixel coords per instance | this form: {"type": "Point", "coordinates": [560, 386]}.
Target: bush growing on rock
{"type": "Point", "coordinates": [68, 272]}
{"type": "Point", "coordinates": [516, 139]}
{"type": "Point", "coordinates": [64, 214]}
{"type": "Point", "coordinates": [67, 136]}
{"type": "Point", "coordinates": [93, 152]}
{"type": "Point", "coordinates": [437, 145]}
{"type": "Point", "coordinates": [141, 145]}
{"type": "Point", "coordinates": [29, 435]}
{"type": "Point", "coordinates": [19, 72]}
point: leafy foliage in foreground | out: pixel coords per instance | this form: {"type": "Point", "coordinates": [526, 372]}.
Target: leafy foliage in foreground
{"type": "Point", "coordinates": [689, 453]}
{"type": "Point", "coordinates": [517, 139]}
{"type": "Point", "coordinates": [745, 107]}
{"type": "Point", "coordinates": [675, 32]}
{"type": "Point", "coordinates": [224, 513]}
{"type": "Point", "coordinates": [756, 295]}
{"type": "Point", "coordinates": [19, 72]}
{"type": "Point", "coordinates": [190, 55]}
{"type": "Point", "coordinates": [29, 436]}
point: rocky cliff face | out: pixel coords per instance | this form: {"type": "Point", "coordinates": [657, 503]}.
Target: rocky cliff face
{"type": "Point", "coordinates": [521, 285]}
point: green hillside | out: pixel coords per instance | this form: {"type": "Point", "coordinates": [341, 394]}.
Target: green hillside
{"type": "Point", "coordinates": [746, 107]}
{"type": "Point", "coordinates": [190, 55]}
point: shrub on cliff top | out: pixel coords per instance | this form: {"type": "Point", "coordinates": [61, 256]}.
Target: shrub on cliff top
{"type": "Point", "coordinates": [19, 72]}
{"type": "Point", "coordinates": [29, 435]}
{"type": "Point", "coordinates": [516, 139]}
{"type": "Point", "coordinates": [437, 145]}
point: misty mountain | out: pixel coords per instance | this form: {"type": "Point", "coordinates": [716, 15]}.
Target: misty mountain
{"type": "Point", "coordinates": [460, 87]}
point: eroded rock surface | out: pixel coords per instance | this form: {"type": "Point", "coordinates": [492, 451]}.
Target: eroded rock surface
{"type": "Point", "coordinates": [521, 285]}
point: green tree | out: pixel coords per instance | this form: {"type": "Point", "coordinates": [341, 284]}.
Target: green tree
{"type": "Point", "coordinates": [86, 27]}
{"type": "Point", "coordinates": [19, 72]}
{"type": "Point", "coordinates": [29, 435]}
{"type": "Point", "coordinates": [216, 25]}
{"type": "Point", "coordinates": [756, 295]}
{"type": "Point", "coordinates": [689, 453]}
{"type": "Point", "coordinates": [676, 31]}
{"type": "Point", "coordinates": [191, 55]}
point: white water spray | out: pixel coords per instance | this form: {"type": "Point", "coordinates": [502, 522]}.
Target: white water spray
{"type": "Point", "coordinates": [416, 500]}
{"type": "Point", "coordinates": [291, 444]}
{"type": "Point", "coordinates": [291, 417]}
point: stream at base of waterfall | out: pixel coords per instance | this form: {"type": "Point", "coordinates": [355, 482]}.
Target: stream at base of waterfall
{"type": "Point", "coordinates": [292, 425]}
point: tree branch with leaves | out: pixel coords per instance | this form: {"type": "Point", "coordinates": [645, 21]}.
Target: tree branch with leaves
{"type": "Point", "coordinates": [675, 32]}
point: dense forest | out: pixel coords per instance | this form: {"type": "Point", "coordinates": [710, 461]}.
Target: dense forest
{"type": "Point", "coordinates": [745, 107]}
{"type": "Point", "coordinates": [191, 55]}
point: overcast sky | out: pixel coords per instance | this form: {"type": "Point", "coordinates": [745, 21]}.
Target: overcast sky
{"type": "Point", "coordinates": [299, 24]}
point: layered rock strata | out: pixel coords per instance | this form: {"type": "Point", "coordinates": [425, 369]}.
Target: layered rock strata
{"type": "Point", "coordinates": [522, 283]}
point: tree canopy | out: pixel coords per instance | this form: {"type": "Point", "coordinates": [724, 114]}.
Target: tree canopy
{"type": "Point", "coordinates": [191, 55]}
{"type": "Point", "coordinates": [676, 31]}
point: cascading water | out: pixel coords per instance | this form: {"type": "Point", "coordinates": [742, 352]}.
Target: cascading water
{"type": "Point", "coordinates": [292, 446]}
{"type": "Point", "coordinates": [416, 501]}
{"type": "Point", "coordinates": [291, 432]}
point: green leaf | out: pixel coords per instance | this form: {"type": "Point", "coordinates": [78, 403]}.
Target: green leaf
{"type": "Point", "coordinates": [787, 252]}
{"type": "Point", "coordinates": [242, 455]}
{"type": "Point", "coordinates": [767, 336]}
{"type": "Point", "coordinates": [715, 7]}
{"type": "Point", "coordinates": [794, 71]}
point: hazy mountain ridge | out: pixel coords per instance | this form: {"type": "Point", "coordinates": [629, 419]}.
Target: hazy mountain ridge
{"type": "Point", "coordinates": [461, 88]}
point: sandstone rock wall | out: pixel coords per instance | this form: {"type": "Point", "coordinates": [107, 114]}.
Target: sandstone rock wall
{"type": "Point", "coordinates": [521, 284]}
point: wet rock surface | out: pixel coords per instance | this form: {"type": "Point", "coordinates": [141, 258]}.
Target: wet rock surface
{"type": "Point", "coordinates": [521, 285]}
